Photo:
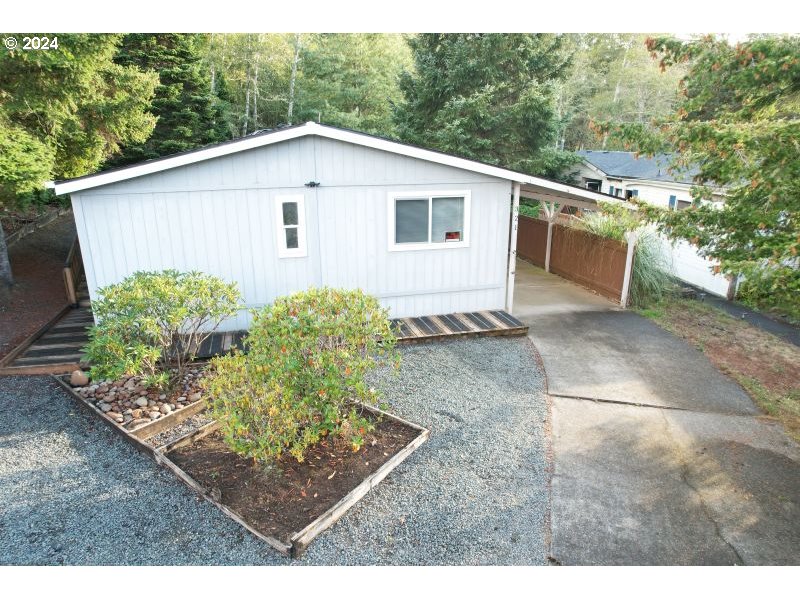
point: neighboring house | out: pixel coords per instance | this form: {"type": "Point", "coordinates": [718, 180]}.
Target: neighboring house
{"type": "Point", "coordinates": [649, 179]}
{"type": "Point", "coordinates": [313, 205]}
{"type": "Point", "coordinates": [624, 175]}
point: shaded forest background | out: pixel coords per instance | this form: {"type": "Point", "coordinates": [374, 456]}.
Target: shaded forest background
{"type": "Point", "coordinates": [522, 100]}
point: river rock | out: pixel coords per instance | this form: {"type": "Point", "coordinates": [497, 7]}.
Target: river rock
{"type": "Point", "coordinates": [104, 407]}
{"type": "Point", "coordinates": [78, 378]}
{"type": "Point", "coordinates": [141, 402]}
{"type": "Point", "coordinates": [194, 397]}
{"type": "Point", "coordinates": [165, 408]}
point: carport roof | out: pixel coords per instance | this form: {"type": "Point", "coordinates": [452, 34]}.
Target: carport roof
{"type": "Point", "coordinates": [537, 187]}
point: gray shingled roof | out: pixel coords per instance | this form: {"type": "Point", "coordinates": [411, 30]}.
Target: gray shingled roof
{"type": "Point", "coordinates": [625, 164]}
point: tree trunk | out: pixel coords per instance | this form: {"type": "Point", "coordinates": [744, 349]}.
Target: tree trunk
{"type": "Point", "coordinates": [618, 87]}
{"type": "Point", "coordinates": [6, 277]}
{"type": "Point", "coordinates": [246, 102]}
{"type": "Point", "coordinates": [297, 46]}
{"type": "Point", "coordinates": [213, 70]}
{"type": "Point", "coordinates": [255, 96]}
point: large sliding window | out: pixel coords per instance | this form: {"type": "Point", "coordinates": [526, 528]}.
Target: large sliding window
{"type": "Point", "coordinates": [428, 220]}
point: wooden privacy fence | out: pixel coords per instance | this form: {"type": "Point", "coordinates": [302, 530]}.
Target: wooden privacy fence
{"type": "Point", "coordinates": [590, 260]}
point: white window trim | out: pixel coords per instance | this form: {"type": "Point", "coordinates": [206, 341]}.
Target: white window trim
{"type": "Point", "coordinates": [393, 197]}
{"type": "Point", "coordinates": [280, 234]}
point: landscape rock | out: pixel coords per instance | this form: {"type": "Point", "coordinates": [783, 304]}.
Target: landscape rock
{"type": "Point", "coordinates": [104, 407]}
{"type": "Point", "coordinates": [141, 402]}
{"type": "Point", "coordinates": [154, 415]}
{"type": "Point", "coordinates": [165, 408]}
{"type": "Point", "coordinates": [194, 397]}
{"type": "Point", "coordinates": [78, 378]}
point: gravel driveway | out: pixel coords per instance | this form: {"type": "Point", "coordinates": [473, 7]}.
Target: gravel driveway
{"type": "Point", "coordinates": [71, 492]}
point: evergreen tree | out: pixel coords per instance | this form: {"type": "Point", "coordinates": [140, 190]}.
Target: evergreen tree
{"type": "Point", "coordinates": [487, 97]}
{"type": "Point", "coordinates": [64, 111]}
{"type": "Point", "coordinates": [189, 114]}
{"type": "Point", "coordinates": [351, 79]}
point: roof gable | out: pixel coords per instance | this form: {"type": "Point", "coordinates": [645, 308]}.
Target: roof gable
{"type": "Point", "coordinates": [345, 135]}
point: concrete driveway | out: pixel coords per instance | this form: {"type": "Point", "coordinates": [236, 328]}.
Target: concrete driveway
{"type": "Point", "coordinates": [659, 458]}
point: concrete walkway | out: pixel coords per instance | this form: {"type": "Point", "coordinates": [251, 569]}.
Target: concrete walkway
{"type": "Point", "coordinates": [659, 458]}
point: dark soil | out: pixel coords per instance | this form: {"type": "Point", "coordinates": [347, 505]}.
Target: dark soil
{"type": "Point", "coordinates": [281, 499]}
{"type": "Point", "coordinates": [37, 261]}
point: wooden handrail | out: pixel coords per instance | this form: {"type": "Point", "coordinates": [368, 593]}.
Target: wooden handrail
{"type": "Point", "coordinates": [73, 271]}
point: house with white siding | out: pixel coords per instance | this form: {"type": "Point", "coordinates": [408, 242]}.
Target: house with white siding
{"type": "Point", "coordinates": [313, 205]}
{"type": "Point", "coordinates": [626, 175]}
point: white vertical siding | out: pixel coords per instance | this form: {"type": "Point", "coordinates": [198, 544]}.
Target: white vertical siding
{"type": "Point", "coordinates": [218, 217]}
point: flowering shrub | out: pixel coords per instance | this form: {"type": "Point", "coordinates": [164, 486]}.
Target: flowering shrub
{"type": "Point", "coordinates": [303, 377]}
{"type": "Point", "coordinates": [151, 323]}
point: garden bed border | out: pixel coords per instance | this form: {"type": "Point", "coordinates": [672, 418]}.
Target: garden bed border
{"type": "Point", "coordinates": [299, 540]}
{"type": "Point", "coordinates": [147, 430]}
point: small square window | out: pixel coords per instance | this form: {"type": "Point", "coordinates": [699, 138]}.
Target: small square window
{"type": "Point", "coordinates": [290, 222]}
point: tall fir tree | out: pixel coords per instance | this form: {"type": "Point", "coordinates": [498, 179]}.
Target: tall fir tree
{"type": "Point", "coordinates": [63, 112]}
{"type": "Point", "coordinates": [350, 80]}
{"type": "Point", "coordinates": [189, 113]}
{"type": "Point", "coordinates": [487, 97]}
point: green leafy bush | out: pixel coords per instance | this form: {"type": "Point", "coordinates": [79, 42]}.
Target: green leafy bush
{"type": "Point", "coordinates": [772, 288]}
{"type": "Point", "coordinates": [529, 208]}
{"type": "Point", "coordinates": [303, 376]}
{"type": "Point", "coordinates": [152, 323]}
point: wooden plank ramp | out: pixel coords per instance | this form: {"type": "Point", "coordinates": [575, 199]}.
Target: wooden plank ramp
{"type": "Point", "coordinates": [55, 349]}
{"type": "Point", "coordinates": [409, 330]}
{"type": "Point", "coordinates": [470, 324]}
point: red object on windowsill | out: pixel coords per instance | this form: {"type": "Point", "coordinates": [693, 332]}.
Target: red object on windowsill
{"type": "Point", "coordinates": [452, 236]}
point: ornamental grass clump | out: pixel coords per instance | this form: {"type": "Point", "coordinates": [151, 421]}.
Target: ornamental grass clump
{"type": "Point", "coordinates": [152, 324]}
{"type": "Point", "coordinates": [303, 377]}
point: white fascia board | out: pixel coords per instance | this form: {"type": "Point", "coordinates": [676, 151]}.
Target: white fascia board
{"type": "Point", "coordinates": [311, 128]}
{"type": "Point", "coordinates": [156, 166]}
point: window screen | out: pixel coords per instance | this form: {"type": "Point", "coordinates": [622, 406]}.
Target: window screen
{"type": "Point", "coordinates": [411, 221]}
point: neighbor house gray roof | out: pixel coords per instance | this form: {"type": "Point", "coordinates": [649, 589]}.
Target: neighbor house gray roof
{"type": "Point", "coordinates": [627, 165]}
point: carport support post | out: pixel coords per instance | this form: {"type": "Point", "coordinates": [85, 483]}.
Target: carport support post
{"type": "Point", "coordinates": [512, 248]}
{"type": "Point", "coordinates": [631, 237]}
{"type": "Point", "coordinates": [551, 209]}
